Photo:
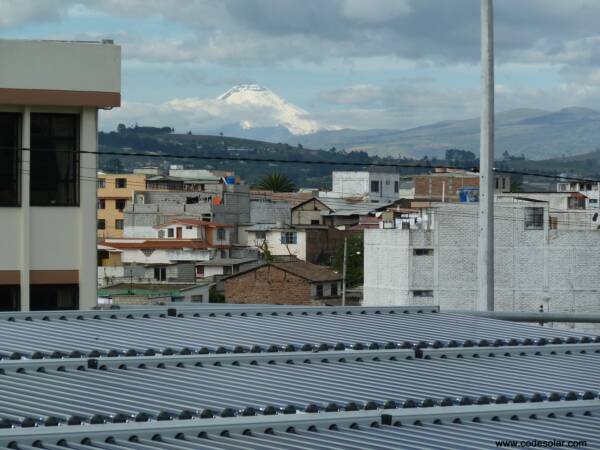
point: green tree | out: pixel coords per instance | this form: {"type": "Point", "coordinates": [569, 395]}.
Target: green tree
{"type": "Point", "coordinates": [354, 268]}
{"type": "Point", "coordinates": [276, 182]}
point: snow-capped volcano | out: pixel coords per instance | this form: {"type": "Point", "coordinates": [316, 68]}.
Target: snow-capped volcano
{"type": "Point", "coordinates": [264, 108]}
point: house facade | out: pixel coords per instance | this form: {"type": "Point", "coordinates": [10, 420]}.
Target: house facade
{"type": "Point", "coordinates": [589, 189]}
{"type": "Point", "coordinates": [290, 282]}
{"type": "Point", "coordinates": [115, 192]}
{"type": "Point", "coordinates": [50, 93]}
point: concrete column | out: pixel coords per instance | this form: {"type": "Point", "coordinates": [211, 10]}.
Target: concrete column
{"type": "Point", "coordinates": [25, 211]}
{"type": "Point", "coordinates": [486, 157]}
{"type": "Point", "coordinates": [88, 294]}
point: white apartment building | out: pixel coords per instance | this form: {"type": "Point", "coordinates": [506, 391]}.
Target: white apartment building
{"type": "Point", "coordinates": [535, 264]}
{"type": "Point", "coordinates": [50, 93]}
{"type": "Point", "coordinates": [378, 187]}
{"type": "Point", "coordinates": [589, 189]}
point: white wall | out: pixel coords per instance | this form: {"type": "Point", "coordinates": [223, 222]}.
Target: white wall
{"type": "Point", "coordinates": [83, 66]}
{"type": "Point", "coordinates": [555, 268]}
{"type": "Point", "coordinates": [276, 248]}
{"type": "Point", "coordinates": [350, 184]}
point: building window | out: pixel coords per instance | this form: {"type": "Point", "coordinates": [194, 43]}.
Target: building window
{"type": "Point", "coordinates": [120, 204]}
{"type": "Point", "coordinates": [396, 186]}
{"type": "Point", "coordinates": [197, 298]}
{"type": "Point", "coordinates": [10, 167]}
{"type": "Point", "coordinates": [562, 187]}
{"type": "Point", "coordinates": [421, 294]}
{"type": "Point", "coordinates": [319, 290]}
{"type": "Point", "coordinates": [54, 296]}
{"type": "Point", "coordinates": [10, 298]}
{"type": "Point", "coordinates": [423, 252]}
{"type": "Point", "coordinates": [534, 218]}
{"type": "Point", "coordinates": [120, 183]}
{"type": "Point", "coordinates": [221, 234]}
{"type": "Point", "coordinates": [374, 186]}
{"type": "Point", "coordinates": [54, 160]}
{"type": "Point", "coordinates": [315, 222]}
{"type": "Point", "coordinates": [100, 183]}
{"type": "Point", "coordinates": [118, 224]}
{"type": "Point", "coordinates": [147, 252]}
{"type": "Point", "coordinates": [334, 290]}
{"type": "Point", "coordinates": [189, 227]}
{"type": "Point", "coordinates": [261, 235]}
{"type": "Point", "coordinates": [289, 237]}
{"type": "Point", "coordinates": [170, 232]}
{"type": "Point", "coordinates": [101, 224]}
{"type": "Point", "coordinates": [226, 270]}
{"type": "Point", "coordinates": [160, 273]}
{"type": "Point", "coordinates": [101, 203]}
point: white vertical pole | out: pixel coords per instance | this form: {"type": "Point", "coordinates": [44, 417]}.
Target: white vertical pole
{"type": "Point", "coordinates": [344, 271]}
{"type": "Point", "coordinates": [486, 156]}
{"type": "Point", "coordinates": [25, 209]}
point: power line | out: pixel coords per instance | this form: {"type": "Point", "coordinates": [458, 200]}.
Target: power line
{"type": "Point", "coordinates": [416, 165]}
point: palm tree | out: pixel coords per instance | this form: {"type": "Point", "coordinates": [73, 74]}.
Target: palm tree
{"type": "Point", "coordinates": [276, 182]}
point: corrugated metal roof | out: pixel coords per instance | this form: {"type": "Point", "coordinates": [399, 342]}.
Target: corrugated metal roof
{"type": "Point", "coordinates": [241, 374]}
{"type": "Point", "coordinates": [142, 389]}
{"type": "Point", "coordinates": [475, 428]}
{"type": "Point", "coordinates": [243, 329]}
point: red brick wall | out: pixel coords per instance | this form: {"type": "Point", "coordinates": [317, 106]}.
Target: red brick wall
{"type": "Point", "coordinates": [431, 187]}
{"type": "Point", "coordinates": [268, 285]}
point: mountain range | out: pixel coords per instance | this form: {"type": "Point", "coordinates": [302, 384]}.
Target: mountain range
{"type": "Point", "coordinates": [534, 133]}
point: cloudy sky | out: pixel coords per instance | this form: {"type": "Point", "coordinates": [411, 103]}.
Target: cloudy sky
{"type": "Point", "coordinates": [349, 63]}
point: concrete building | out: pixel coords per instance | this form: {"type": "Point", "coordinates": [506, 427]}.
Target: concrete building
{"type": "Point", "coordinates": [589, 189]}
{"type": "Point", "coordinates": [115, 192]}
{"type": "Point", "coordinates": [291, 282]}
{"type": "Point", "coordinates": [50, 93]}
{"type": "Point", "coordinates": [376, 187]}
{"type": "Point", "coordinates": [535, 265]}
{"type": "Point", "coordinates": [229, 204]}
{"type": "Point", "coordinates": [137, 293]}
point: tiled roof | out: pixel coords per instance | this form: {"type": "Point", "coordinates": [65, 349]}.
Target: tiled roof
{"type": "Point", "coordinates": [308, 271]}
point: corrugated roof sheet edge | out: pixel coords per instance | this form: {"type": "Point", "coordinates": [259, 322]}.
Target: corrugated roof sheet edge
{"type": "Point", "coordinates": [147, 430]}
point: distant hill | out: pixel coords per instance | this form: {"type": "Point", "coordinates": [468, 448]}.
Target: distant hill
{"type": "Point", "coordinates": [535, 133]}
{"type": "Point", "coordinates": [164, 144]}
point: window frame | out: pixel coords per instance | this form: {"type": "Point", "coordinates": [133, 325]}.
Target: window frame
{"type": "Point", "coordinates": [333, 290]}
{"type": "Point", "coordinates": [101, 221]}
{"type": "Point", "coordinates": [119, 181]}
{"type": "Point", "coordinates": [120, 201]}
{"type": "Point", "coordinates": [101, 203]}
{"type": "Point", "coordinates": [289, 238]}
{"type": "Point", "coordinates": [378, 189]}
{"type": "Point", "coordinates": [15, 291]}
{"type": "Point", "coordinates": [533, 218]}
{"type": "Point", "coordinates": [75, 163]}
{"type": "Point", "coordinates": [319, 290]}
{"type": "Point", "coordinates": [18, 153]}
{"type": "Point", "coordinates": [33, 287]}
{"type": "Point", "coordinates": [119, 224]}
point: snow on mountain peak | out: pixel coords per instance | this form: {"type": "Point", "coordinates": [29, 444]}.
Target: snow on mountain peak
{"type": "Point", "coordinates": [265, 108]}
